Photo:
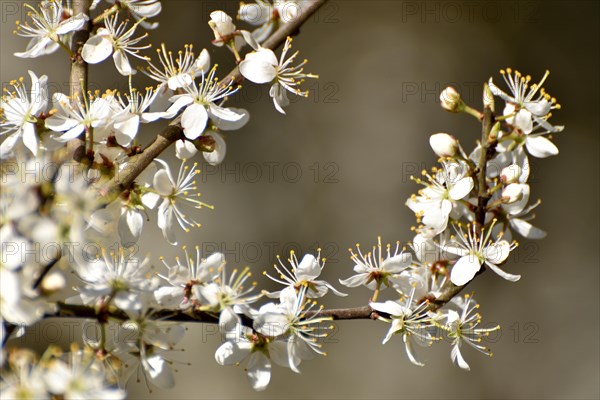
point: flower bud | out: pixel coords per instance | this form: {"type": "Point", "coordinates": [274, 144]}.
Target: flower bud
{"type": "Point", "coordinates": [443, 145]}
{"type": "Point", "coordinates": [488, 98]}
{"type": "Point", "coordinates": [222, 25]}
{"type": "Point", "coordinates": [53, 282]}
{"type": "Point", "coordinates": [510, 174]}
{"type": "Point", "coordinates": [512, 193]}
{"type": "Point", "coordinates": [451, 100]}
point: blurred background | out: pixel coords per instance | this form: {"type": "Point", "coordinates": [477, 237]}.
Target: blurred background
{"type": "Point", "coordinates": [335, 171]}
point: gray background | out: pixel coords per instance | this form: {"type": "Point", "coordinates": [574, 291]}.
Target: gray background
{"type": "Point", "coordinates": [365, 129]}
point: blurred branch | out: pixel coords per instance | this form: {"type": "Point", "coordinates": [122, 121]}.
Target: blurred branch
{"type": "Point", "coordinates": [139, 162]}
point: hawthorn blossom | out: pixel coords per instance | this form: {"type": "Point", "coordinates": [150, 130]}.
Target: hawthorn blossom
{"type": "Point", "coordinates": [128, 114]}
{"type": "Point", "coordinates": [49, 27]}
{"type": "Point", "coordinates": [183, 276]}
{"type": "Point", "coordinates": [373, 270]}
{"type": "Point", "coordinates": [462, 328]}
{"type": "Point", "coordinates": [19, 114]}
{"type": "Point", "coordinates": [475, 250]}
{"type": "Point", "coordinates": [178, 72]}
{"type": "Point", "coordinates": [441, 194]}
{"type": "Point", "coordinates": [408, 320]}
{"type": "Point", "coordinates": [82, 378]}
{"type": "Point", "coordinates": [228, 297]}
{"type": "Point", "coordinates": [115, 40]}
{"type": "Point", "coordinates": [152, 339]}
{"type": "Point", "coordinates": [243, 344]}
{"type": "Point", "coordinates": [200, 103]}
{"type": "Point", "coordinates": [302, 274]}
{"type": "Point", "coordinates": [289, 320]}
{"type": "Point", "coordinates": [74, 116]}
{"type": "Point", "coordinates": [119, 278]}
{"type": "Point", "coordinates": [528, 108]}
{"type": "Point", "coordinates": [175, 194]}
{"type": "Point", "coordinates": [262, 66]}
{"type": "Point", "coordinates": [140, 10]}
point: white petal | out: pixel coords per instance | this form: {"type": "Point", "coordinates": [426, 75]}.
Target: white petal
{"type": "Point", "coordinates": [259, 371]}
{"type": "Point", "coordinates": [526, 230]}
{"type": "Point", "coordinates": [194, 120]}
{"type": "Point", "coordinates": [74, 23]}
{"type": "Point", "coordinates": [503, 274]}
{"type": "Point", "coordinates": [461, 189]}
{"type": "Point", "coordinates": [464, 270]}
{"type": "Point", "coordinates": [397, 264]}
{"type": "Point", "coordinates": [122, 63]}
{"type": "Point", "coordinates": [184, 149]}
{"type": "Point", "coordinates": [389, 307]}
{"type": "Point", "coordinates": [541, 147]}
{"type": "Point", "coordinates": [202, 63]}
{"type": "Point", "coordinates": [260, 66]}
{"type": "Point", "coordinates": [97, 49]}
{"type": "Point", "coordinates": [163, 183]}
{"type": "Point", "coordinates": [309, 268]}
{"type": "Point", "coordinates": [458, 359]}
{"type": "Point", "coordinates": [228, 119]}
{"type": "Point", "coordinates": [130, 227]}
{"type": "Point", "coordinates": [230, 353]}
{"type": "Point", "coordinates": [279, 95]}
{"type": "Point", "coordinates": [497, 253]}
{"type": "Point", "coordinates": [127, 129]}
{"type": "Point", "coordinates": [410, 352]}
{"type": "Point", "coordinates": [216, 156]}
{"type": "Point", "coordinates": [30, 139]}
{"type": "Point", "coordinates": [355, 280]}
{"type": "Point", "coordinates": [159, 372]}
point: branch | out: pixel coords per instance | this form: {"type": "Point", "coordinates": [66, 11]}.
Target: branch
{"type": "Point", "coordinates": [78, 77]}
{"type": "Point", "coordinates": [138, 163]}
{"type": "Point", "coordinates": [487, 152]}
{"type": "Point", "coordinates": [87, 312]}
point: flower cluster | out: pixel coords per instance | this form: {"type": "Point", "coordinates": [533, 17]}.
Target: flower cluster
{"type": "Point", "coordinates": [78, 188]}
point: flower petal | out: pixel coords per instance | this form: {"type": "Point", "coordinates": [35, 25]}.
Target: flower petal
{"type": "Point", "coordinates": [464, 270]}
{"type": "Point", "coordinates": [540, 147]}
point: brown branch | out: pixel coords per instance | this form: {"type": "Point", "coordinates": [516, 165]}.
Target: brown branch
{"type": "Point", "coordinates": [87, 312]}
{"type": "Point", "coordinates": [138, 163]}
{"type": "Point", "coordinates": [78, 77]}
{"type": "Point", "coordinates": [487, 152]}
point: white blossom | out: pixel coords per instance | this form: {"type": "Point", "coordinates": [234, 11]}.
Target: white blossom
{"type": "Point", "coordinates": [462, 328]}
{"type": "Point", "coordinates": [200, 103]}
{"type": "Point", "coordinates": [304, 273]}
{"type": "Point", "coordinates": [441, 194]}
{"type": "Point", "coordinates": [243, 344]}
{"type": "Point", "coordinates": [373, 270]}
{"type": "Point", "coordinates": [178, 72]}
{"type": "Point", "coordinates": [19, 114]}
{"type": "Point", "coordinates": [119, 278]}
{"type": "Point", "coordinates": [408, 320]}
{"type": "Point", "coordinates": [227, 296]}
{"type": "Point", "coordinates": [116, 40]}
{"type": "Point", "coordinates": [475, 250]}
{"type": "Point", "coordinates": [175, 193]}
{"type": "Point", "coordinates": [49, 27]}
{"type": "Point", "coordinates": [262, 66]}
{"type": "Point", "coordinates": [289, 320]}
{"type": "Point", "coordinates": [74, 116]}
{"type": "Point", "coordinates": [140, 10]}
{"type": "Point", "coordinates": [184, 275]}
